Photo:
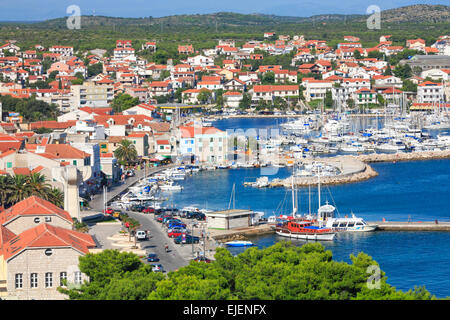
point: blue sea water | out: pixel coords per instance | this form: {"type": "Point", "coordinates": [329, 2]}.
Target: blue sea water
{"type": "Point", "coordinates": [417, 190]}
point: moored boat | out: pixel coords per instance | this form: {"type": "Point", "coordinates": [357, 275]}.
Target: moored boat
{"type": "Point", "coordinates": [239, 243]}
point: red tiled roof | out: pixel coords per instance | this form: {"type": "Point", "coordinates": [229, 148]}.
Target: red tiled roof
{"type": "Point", "coordinates": [33, 206]}
{"type": "Point", "coordinates": [48, 236]}
{"type": "Point", "coordinates": [190, 132]}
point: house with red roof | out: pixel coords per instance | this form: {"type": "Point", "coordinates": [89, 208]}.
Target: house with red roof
{"type": "Point", "coordinates": [416, 44]}
{"type": "Point", "coordinates": [145, 109]}
{"type": "Point", "coordinates": [232, 99]}
{"type": "Point", "coordinates": [365, 96]}
{"type": "Point", "coordinates": [269, 92]}
{"type": "Point", "coordinates": [35, 262]}
{"type": "Point", "coordinates": [430, 92]}
{"type": "Point", "coordinates": [33, 211]}
{"type": "Point", "coordinates": [203, 144]}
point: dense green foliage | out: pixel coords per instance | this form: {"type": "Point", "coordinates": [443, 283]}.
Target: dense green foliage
{"type": "Point", "coordinates": [123, 101]}
{"type": "Point", "coordinates": [280, 272]}
{"type": "Point", "coordinates": [31, 109]}
{"type": "Point", "coordinates": [16, 188]}
{"type": "Point", "coordinates": [126, 152]}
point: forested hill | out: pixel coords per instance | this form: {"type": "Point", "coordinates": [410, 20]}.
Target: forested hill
{"type": "Point", "coordinates": [408, 14]}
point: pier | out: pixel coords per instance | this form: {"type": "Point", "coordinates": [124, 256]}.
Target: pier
{"type": "Point", "coordinates": [351, 170]}
{"type": "Point", "coordinates": [412, 226]}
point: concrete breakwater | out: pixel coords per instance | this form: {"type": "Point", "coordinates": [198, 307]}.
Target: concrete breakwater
{"type": "Point", "coordinates": [356, 168]}
{"type": "Point", "coordinates": [351, 170]}
{"type": "Point", "coordinates": [404, 156]}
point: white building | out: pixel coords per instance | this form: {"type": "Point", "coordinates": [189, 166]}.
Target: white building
{"type": "Point", "coordinates": [204, 144]}
{"type": "Point", "coordinates": [430, 92]}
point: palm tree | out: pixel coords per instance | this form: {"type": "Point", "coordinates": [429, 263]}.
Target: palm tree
{"type": "Point", "coordinates": [5, 189]}
{"type": "Point", "coordinates": [126, 151]}
{"type": "Point", "coordinates": [20, 189]}
{"type": "Point", "coordinates": [38, 186]}
{"type": "Point", "coordinates": [56, 197]}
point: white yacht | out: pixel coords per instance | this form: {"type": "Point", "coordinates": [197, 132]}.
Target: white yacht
{"type": "Point", "coordinates": [353, 224]}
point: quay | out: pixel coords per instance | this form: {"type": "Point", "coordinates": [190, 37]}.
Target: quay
{"type": "Point", "coordinates": [351, 170]}
{"type": "Point", "coordinates": [256, 116]}
{"type": "Point", "coordinates": [404, 156]}
{"type": "Point", "coordinates": [412, 226]}
{"type": "Point", "coordinates": [357, 168]}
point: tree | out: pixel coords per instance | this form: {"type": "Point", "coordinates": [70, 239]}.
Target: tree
{"type": "Point", "coordinates": [357, 54]}
{"type": "Point", "coordinates": [126, 152]}
{"type": "Point", "coordinates": [204, 96]}
{"type": "Point", "coordinates": [409, 86]}
{"type": "Point", "coordinates": [328, 99]}
{"type": "Point", "coordinates": [282, 271]}
{"type": "Point", "coordinates": [95, 69]}
{"type": "Point", "coordinates": [246, 101]}
{"type": "Point", "coordinates": [19, 187]}
{"type": "Point", "coordinates": [403, 71]}
{"type": "Point", "coordinates": [388, 71]}
{"type": "Point", "coordinates": [123, 101]}
{"type": "Point", "coordinates": [268, 78]}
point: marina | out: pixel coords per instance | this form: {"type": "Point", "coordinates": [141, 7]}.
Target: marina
{"type": "Point", "coordinates": [185, 191]}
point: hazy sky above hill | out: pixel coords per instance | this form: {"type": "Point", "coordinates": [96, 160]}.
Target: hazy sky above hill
{"type": "Point", "coordinates": [29, 10]}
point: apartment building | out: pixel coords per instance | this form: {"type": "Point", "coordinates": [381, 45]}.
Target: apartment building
{"type": "Point", "coordinates": [91, 95]}
{"type": "Point", "coordinates": [203, 144]}
{"type": "Point", "coordinates": [430, 92]}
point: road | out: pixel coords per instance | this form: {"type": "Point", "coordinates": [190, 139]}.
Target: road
{"type": "Point", "coordinates": [171, 260]}
{"type": "Point", "coordinates": [96, 202]}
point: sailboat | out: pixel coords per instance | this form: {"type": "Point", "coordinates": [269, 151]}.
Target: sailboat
{"type": "Point", "coordinates": [304, 229]}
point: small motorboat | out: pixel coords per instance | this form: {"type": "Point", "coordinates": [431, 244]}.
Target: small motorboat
{"type": "Point", "coordinates": [239, 243]}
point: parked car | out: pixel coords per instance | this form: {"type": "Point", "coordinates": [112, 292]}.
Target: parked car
{"type": "Point", "coordinates": [161, 218]}
{"type": "Point", "coordinates": [176, 225]}
{"type": "Point", "coordinates": [157, 267]}
{"type": "Point", "coordinates": [188, 239]}
{"type": "Point", "coordinates": [202, 259]}
{"type": "Point", "coordinates": [148, 210]}
{"type": "Point", "coordinates": [152, 257]}
{"type": "Point", "coordinates": [172, 222]}
{"type": "Point", "coordinates": [108, 211]}
{"type": "Point", "coordinates": [141, 235]}
{"type": "Point", "coordinates": [200, 216]}
{"type": "Point", "coordinates": [137, 208]}
{"type": "Point", "coordinates": [173, 233]}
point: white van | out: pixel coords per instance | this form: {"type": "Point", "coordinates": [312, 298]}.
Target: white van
{"type": "Point", "coordinates": [141, 235]}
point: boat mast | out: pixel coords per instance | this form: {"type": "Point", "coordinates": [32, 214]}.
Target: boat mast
{"type": "Point", "coordinates": [309, 196]}
{"type": "Point", "coordinates": [293, 196]}
{"type": "Point", "coordinates": [318, 186]}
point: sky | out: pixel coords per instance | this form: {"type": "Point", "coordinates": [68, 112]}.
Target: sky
{"type": "Point", "coordinates": [38, 10]}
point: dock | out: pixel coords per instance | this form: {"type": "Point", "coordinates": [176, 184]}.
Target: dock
{"type": "Point", "coordinates": [412, 226]}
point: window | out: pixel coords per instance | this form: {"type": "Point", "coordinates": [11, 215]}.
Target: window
{"type": "Point", "coordinates": [34, 280]}
{"type": "Point", "coordinates": [48, 219]}
{"type": "Point", "coordinates": [48, 279]}
{"type": "Point", "coordinates": [9, 164]}
{"type": "Point", "coordinates": [48, 252]}
{"type": "Point", "coordinates": [74, 162]}
{"type": "Point", "coordinates": [19, 281]}
{"type": "Point", "coordinates": [37, 220]}
{"type": "Point", "coordinates": [161, 147]}
{"type": "Point", "coordinates": [62, 278]}
{"type": "Point", "coordinates": [77, 277]}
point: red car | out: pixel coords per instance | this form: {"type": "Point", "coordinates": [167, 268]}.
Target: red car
{"type": "Point", "coordinates": [175, 233]}
{"type": "Point", "coordinates": [108, 211]}
{"type": "Point", "coordinates": [148, 210]}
